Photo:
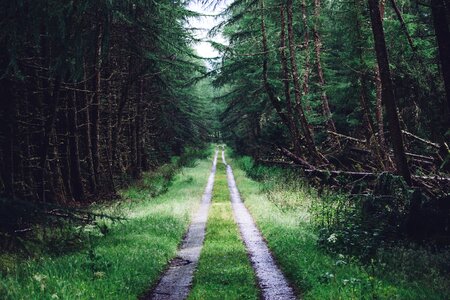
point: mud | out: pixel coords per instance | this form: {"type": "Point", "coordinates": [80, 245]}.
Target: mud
{"type": "Point", "coordinates": [176, 281]}
{"type": "Point", "coordinates": [271, 280]}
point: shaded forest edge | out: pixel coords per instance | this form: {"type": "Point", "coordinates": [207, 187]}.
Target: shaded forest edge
{"type": "Point", "coordinates": [116, 257]}
{"type": "Point", "coordinates": [329, 248]}
{"type": "Point", "coordinates": [93, 94]}
{"type": "Point", "coordinates": [351, 96]}
{"type": "Point", "coordinates": [30, 229]}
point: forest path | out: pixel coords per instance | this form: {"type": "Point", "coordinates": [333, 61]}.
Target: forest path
{"type": "Point", "coordinates": [175, 283]}
{"type": "Point", "coordinates": [271, 280]}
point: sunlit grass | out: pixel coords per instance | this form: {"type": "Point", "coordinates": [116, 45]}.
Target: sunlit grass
{"type": "Point", "coordinates": [224, 270]}
{"type": "Point", "coordinates": [283, 216]}
{"type": "Point", "coordinates": [124, 263]}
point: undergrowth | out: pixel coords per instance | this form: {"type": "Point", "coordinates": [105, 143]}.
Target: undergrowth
{"type": "Point", "coordinates": [110, 260]}
{"type": "Point", "coordinates": [333, 245]}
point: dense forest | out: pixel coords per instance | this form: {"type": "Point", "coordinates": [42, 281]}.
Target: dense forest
{"type": "Point", "coordinates": [94, 93]}
{"type": "Point", "coordinates": [108, 101]}
{"type": "Point", "coordinates": [347, 92]}
{"type": "Point", "coordinates": [339, 85]}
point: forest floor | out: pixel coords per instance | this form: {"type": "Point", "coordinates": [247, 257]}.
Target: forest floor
{"type": "Point", "coordinates": [131, 258]}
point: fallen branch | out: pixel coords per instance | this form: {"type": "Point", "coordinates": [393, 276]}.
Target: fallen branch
{"type": "Point", "coordinates": [278, 162]}
{"type": "Point", "coordinates": [347, 137]}
{"type": "Point", "coordinates": [370, 175]}
{"type": "Point", "coordinates": [434, 145]}
{"type": "Point", "coordinates": [418, 156]}
{"type": "Point", "coordinates": [296, 158]}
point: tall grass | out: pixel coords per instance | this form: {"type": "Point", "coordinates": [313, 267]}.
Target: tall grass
{"type": "Point", "coordinates": [121, 260]}
{"type": "Point", "coordinates": [289, 214]}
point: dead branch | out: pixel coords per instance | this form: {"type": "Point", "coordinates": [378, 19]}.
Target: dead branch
{"type": "Point", "coordinates": [434, 145]}
{"type": "Point", "coordinates": [296, 159]}
{"type": "Point", "coordinates": [346, 137]}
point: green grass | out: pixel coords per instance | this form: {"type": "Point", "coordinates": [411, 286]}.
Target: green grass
{"type": "Point", "coordinates": [125, 262]}
{"type": "Point", "coordinates": [224, 270]}
{"type": "Point", "coordinates": [283, 217]}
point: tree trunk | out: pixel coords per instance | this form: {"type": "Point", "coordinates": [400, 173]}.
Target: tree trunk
{"type": "Point", "coordinates": [88, 139]}
{"type": "Point", "coordinates": [317, 49]}
{"type": "Point", "coordinates": [379, 97]}
{"type": "Point", "coordinates": [139, 127]}
{"type": "Point", "coordinates": [64, 151]}
{"type": "Point", "coordinates": [75, 172]}
{"type": "Point", "coordinates": [442, 31]}
{"type": "Point", "coordinates": [269, 90]}
{"type": "Point", "coordinates": [307, 67]}
{"type": "Point", "coordinates": [388, 91]}
{"type": "Point", "coordinates": [293, 128]}
{"type": "Point", "coordinates": [379, 151]}
{"type": "Point", "coordinates": [95, 108]}
{"type": "Point", "coordinates": [298, 97]}
{"type": "Point", "coordinates": [126, 86]}
{"type": "Point", "coordinates": [7, 130]}
{"type": "Point", "coordinates": [108, 141]}
{"type": "Point", "coordinates": [52, 103]}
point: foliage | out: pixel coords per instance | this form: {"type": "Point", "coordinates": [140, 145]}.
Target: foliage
{"type": "Point", "coordinates": [120, 264]}
{"type": "Point", "coordinates": [253, 125]}
{"type": "Point", "coordinates": [290, 214]}
{"type": "Point", "coordinates": [360, 225]}
{"type": "Point", "coordinates": [37, 228]}
{"type": "Point", "coordinates": [95, 93]}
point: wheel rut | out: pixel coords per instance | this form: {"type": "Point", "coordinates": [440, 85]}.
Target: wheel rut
{"type": "Point", "coordinates": [271, 280]}
{"type": "Point", "coordinates": [176, 282]}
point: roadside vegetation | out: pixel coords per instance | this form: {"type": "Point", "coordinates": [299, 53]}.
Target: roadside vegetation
{"type": "Point", "coordinates": [321, 245]}
{"type": "Point", "coordinates": [224, 270]}
{"type": "Point", "coordinates": [110, 258]}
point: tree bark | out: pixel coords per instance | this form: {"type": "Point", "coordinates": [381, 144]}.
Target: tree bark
{"type": "Point", "coordinates": [388, 91]}
{"type": "Point", "coordinates": [75, 171]}
{"type": "Point", "coordinates": [317, 50]}
{"type": "Point", "coordinates": [88, 138]}
{"type": "Point", "coordinates": [293, 128]}
{"type": "Point", "coordinates": [297, 89]}
{"type": "Point", "coordinates": [379, 97]}
{"type": "Point", "coordinates": [95, 107]}
{"type": "Point", "coordinates": [307, 66]}
{"type": "Point", "coordinates": [441, 24]}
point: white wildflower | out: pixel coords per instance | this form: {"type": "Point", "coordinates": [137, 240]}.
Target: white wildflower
{"type": "Point", "coordinates": [332, 238]}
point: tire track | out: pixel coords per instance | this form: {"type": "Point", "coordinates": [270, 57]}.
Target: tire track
{"type": "Point", "coordinates": [176, 282]}
{"type": "Point", "coordinates": [271, 280]}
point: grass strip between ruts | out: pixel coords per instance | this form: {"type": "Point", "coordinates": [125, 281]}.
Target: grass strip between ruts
{"type": "Point", "coordinates": [224, 270]}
